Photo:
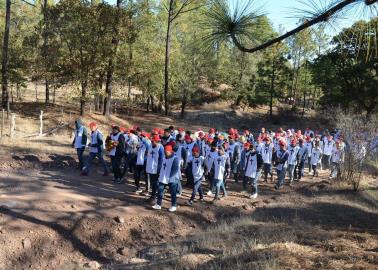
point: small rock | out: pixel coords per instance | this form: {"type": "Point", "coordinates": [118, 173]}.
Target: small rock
{"type": "Point", "coordinates": [125, 251]}
{"type": "Point", "coordinates": [73, 206]}
{"type": "Point", "coordinates": [245, 207]}
{"type": "Point", "coordinates": [1, 229]}
{"type": "Point", "coordinates": [26, 243]}
{"type": "Point", "coordinates": [93, 265]}
{"type": "Point", "coordinates": [119, 219]}
{"type": "Point", "coordinates": [192, 226]}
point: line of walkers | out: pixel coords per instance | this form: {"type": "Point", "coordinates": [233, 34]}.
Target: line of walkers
{"type": "Point", "coordinates": [163, 157]}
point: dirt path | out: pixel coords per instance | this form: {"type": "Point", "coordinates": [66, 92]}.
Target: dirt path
{"type": "Point", "coordinates": [54, 219]}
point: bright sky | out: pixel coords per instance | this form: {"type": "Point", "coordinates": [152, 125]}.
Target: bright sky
{"type": "Point", "coordinates": [280, 12]}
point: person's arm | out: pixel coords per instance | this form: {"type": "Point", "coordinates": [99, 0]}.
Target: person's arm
{"type": "Point", "coordinates": [236, 154]}
{"type": "Point", "coordinates": [174, 170]}
{"type": "Point", "coordinates": [228, 166]}
{"type": "Point", "coordinates": [204, 165]}
{"type": "Point", "coordinates": [184, 156]}
{"type": "Point", "coordinates": [260, 162]}
{"type": "Point", "coordinates": [284, 158]}
{"type": "Point", "coordinates": [161, 156]}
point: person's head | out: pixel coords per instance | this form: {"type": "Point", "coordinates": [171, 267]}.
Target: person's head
{"type": "Point", "coordinates": [231, 139]}
{"type": "Point", "coordinates": [188, 138]}
{"type": "Point", "coordinates": [179, 137]}
{"type": "Point", "coordinates": [168, 150]}
{"type": "Point", "coordinates": [300, 142]}
{"type": "Point", "coordinates": [138, 131]}
{"type": "Point", "coordinates": [155, 140]}
{"type": "Point", "coordinates": [201, 135]}
{"type": "Point", "coordinates": [115, 129]}
{"type": "Point", "coordinates": [293, 142]}
{"type": "Point", "coordinates": [167, 132]}
{"type": "Point", "coordinates": [93, 126]}
{"type": "Point", "coordinates": [267, 140]}
{"type": "Point", "coordinates": [282, 144]}
{"type": "Point", "coordinates": [196, 151]}
{"type": "Point", "coordinates": [171, 128]}
{"type": "Point", "coordinates": [246, 146]}
{"type": "Point", "coordinates": [338, 142]}
{"type": "Point", "coordinates": [221, 150]}
{"type": "Point", "coordinates": [78, 123]}
{"type": "Point", "coordinates": [262, 130]}
{"type": "Point", "coordinates": [330, 138]}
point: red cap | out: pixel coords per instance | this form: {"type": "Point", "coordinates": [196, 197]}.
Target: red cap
{"type": "Point", "coordinates": [282, 143]}
{"type": "Point", "coordinates": [187, 137]}
{"type": "Point", "coordinates": [246, 132]}
{"type": "Point", "coordinates": [168, 148]}
{"type": "Point", "coordinates": [195, 149]}
{"type": "Point", "coordinates": [247, 145]}
{"type": "Point", "coordinates": [267, 139]}
{"type": "Point", "coordinates": [180, 129]}
{"type": "Point", "coordinates": [171, 143]}
{"type": "Point", "coordinates": [122, 129]}
{"type": "Point", "coordinates": [308, 139]}
{"type": "Point", "coordinates": [212, 130]}
{"type": "Point", "coordinates": [155, 138]}
{"type": "Point", "coordinates": [201, 134]}
{"type": "Point", "coordinates": [92, 124]}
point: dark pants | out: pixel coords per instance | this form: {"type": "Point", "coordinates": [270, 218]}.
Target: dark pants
{"type": "Point", "coordinates": [309, 163]}
{"type": "Point", "coordinates": [197, 188]}
{"type": "Point", "coordinates": [326, 161]}
{"type": "Point", "coordinates": [116, 165]}
{"type": "Point", "coordinates": [100, 157]}
{"type": "Point", "coordinates": [189, 175]}
{"type": "Point", "coordinates": [128, 163]}
{"type": "Point", "coordinates": [172, 190]}
{"type": "Point", "coordinates": [314, 169]}
{"type": "Point", "coordinates": [267, 170]}
{"type": "Point", "coordinates": [210, 179]}
{"type": "Point", "coordinates": [154, 184]}
{"type": "Point", "coordinates": [299, 170]}
{"type": "Point", "coordinates": [80, 155]}
{"type": "Point", "coordinates": [138, 170]}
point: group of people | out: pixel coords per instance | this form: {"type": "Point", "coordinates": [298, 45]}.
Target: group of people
{"type": "Point", "coordinates": [163, 157]}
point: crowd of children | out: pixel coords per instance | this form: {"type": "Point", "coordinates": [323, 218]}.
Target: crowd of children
{"type": "Point", "coordinates": [211, 159]}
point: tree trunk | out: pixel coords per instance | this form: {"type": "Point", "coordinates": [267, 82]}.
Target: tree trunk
{"type": "Point", "coordinates": [44, 52]}
{"type": "Point", "coordinates": [167, 56]}
{"type": "Point", "coordinates": [18, 91]}
{"type": "Point", "coordinates": [84, 86]}
{"type": "Point", "coordinates": [152, 104]}
{"type": "Point", "coordinates": [47, 100]}
{"type": "Point", "coordinates": [54, 88]}
{"type": "Point", "coordinates": [4, 70]}
{"type": "Point", "coordinates": [129, 78]}
{"type": "Point", "coordinates": [272, 89]}
{"type": "Point", "coordinates": [108, 90]}
{"type": "Point", "coordinates": [110, 71]}
{"type": "Point", "coordinates": [148, 104]}
{"type": "Point", "coordinates": [184, 102]}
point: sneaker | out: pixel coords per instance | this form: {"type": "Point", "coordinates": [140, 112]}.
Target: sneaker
{"type": "Point", "coordinates": [209, 193]}
{"type": "Point", "coordinates": [172, 209]}
{"type": "Point", "coordinates": [178, 195]}
{"type": "Point", "coordinates": [118, 180]}
{"type": "Point", "coordinates": [253, 196]}
{"type": "Point", "coordinates": [138, 190]}
{"type": "Point", "coordinates": [156, 207]}
{"type": "Point", "coordinates": [190, 202]}
{"type": "Point", "coordinates": [202, 200]}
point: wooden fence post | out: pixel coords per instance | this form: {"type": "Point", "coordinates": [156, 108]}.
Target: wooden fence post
{"type": "Point", "coordinates": [41, 124]}
{"type": "Point", "coordinates": [12, 124]}
{"type": "Point", "coordinates": [2, 122]}
{"type": "Point", "coordinates": [62, 117]}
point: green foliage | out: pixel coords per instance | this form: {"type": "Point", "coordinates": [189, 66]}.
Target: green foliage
{"type": "Point", "coordinates": [348, 74]}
